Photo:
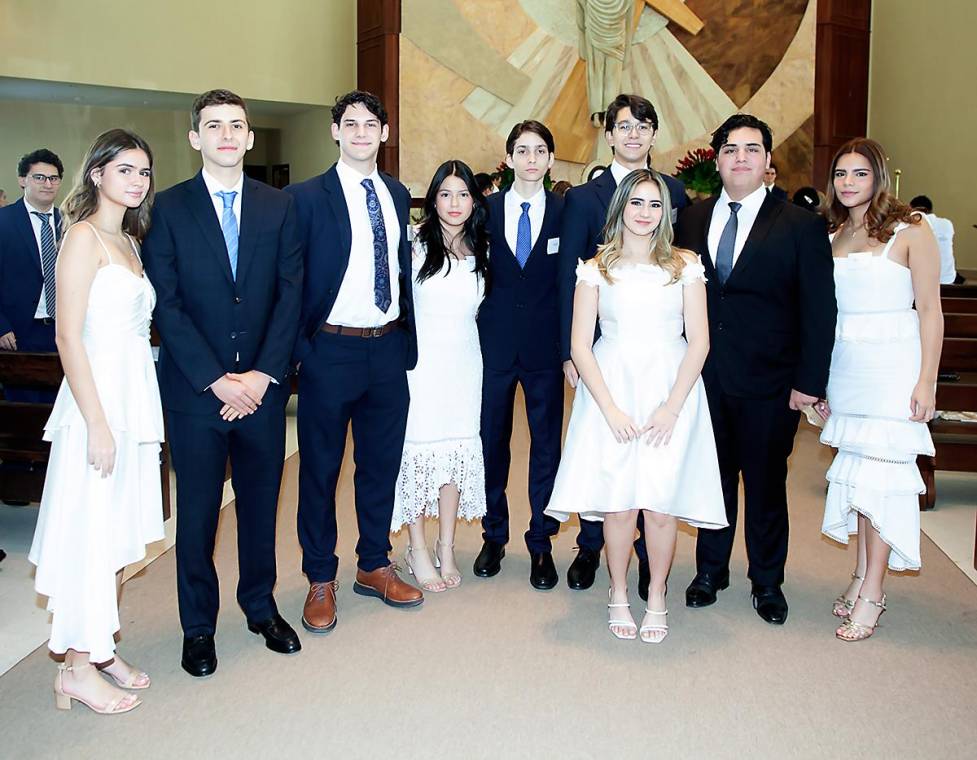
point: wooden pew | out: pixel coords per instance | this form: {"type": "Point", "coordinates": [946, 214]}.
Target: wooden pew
{"type": "Point", "coordinates": [22, 428]}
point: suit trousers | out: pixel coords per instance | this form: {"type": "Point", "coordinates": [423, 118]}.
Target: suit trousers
{"type": "Point", "coordinates": [543, 390]}
{"type": "Point", "coordinates": [200, 446]}
{"type": "Point", "coordinates": [347, 380]}
{"type": "Point", "coordinates": [753, 437]}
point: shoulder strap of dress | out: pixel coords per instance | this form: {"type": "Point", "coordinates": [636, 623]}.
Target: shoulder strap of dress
{"type": "Point", "coordinates": [888, 246]}
{"type": "Point", "coordinates": [135, 248]}
{"type": "Point", "coordinates": [100, 241]}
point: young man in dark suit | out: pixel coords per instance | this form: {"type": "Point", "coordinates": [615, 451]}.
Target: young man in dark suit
{"type": "Point", "coordinates": [630, 128]}
{"type": "Point", "coordinates": [770, 286]}
{"type": "Point", "coordinates": [224, 256]}
{"type": "Point", "coordinates": [355, 345]}
{"type": "Point", "coordinates": [519, 330]}
{"type": "Point", "coordinates": [29, 233]}
{"type": "Point", "coordinates": [770, 183]}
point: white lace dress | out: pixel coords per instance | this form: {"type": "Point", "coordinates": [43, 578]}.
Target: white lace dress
{"type": "Point", "coordinates": [90, 527]}
{"type": "Point", "coordinates": [442, 444]}
{"type": "Point", "coordinates": [874, 368]}
{"type": "Point", "coordinates": [639, 352]}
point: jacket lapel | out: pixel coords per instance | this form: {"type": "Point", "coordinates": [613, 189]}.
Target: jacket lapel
{"type": "Point", "coordinates": [769, 211]}
{"type": "Point", "coordinates": [605, 187]}
{"type": "Point", "coordinates": [26, 228]}
{"type": "Point", "coordinates": [337, 202]}
{"type": "Point", "coordinates": [247, 239]}
{"type": "Point", "coordinates": [700, 236]}
{"type": "Point", "coordinates": [203, 212]}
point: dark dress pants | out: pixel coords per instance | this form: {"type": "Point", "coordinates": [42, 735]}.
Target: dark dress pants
{"type": "Point", "coordinates": [543, 390]}
{"type": "Point", "coordinates": [37, 337]}
{"type": "Point", "coordinates": [348, 379]}
{"type": "Point", "coordinates": [753, 437]}
{"type": "Point", "coordinates": [200, 446]}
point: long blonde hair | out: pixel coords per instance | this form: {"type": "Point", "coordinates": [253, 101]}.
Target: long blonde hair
{"type": "Point", "coordinates": [83, 199]}
{"type": "Point", "coordinates": [662, 253]}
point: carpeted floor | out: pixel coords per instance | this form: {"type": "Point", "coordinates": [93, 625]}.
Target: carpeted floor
{"type": "Point", "coordinates": [498, 670]}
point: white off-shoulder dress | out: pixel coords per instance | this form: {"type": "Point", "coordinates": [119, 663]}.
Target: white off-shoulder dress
{"type": "Point", "coordinates": [874, 369]}
{"type": "Point", "coordinates": [639, 351]}
{"type": "Point", "coordinates": [90, 527]}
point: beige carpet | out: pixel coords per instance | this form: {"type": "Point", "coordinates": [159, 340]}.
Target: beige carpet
{"type": "Point", "coordinates": [496, 669]}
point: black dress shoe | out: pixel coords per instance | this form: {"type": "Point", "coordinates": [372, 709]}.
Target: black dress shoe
{"type": "Point", "coordinates": [580, 575]}
{"type": "Point", "coordinates": [770, 604]}
{"type": "Point", "coordinates": [644, 578]}
{"type": "Point", "coordinates": [542, 573]}
{"type": "Point", "coordinates": [703, 589]}
{"type": "Point", "coordinates": [199, 655]}
{"type": "Point", "coordinates": [489, 560]}
{"type": "Point", "coordinates": [279, 636]}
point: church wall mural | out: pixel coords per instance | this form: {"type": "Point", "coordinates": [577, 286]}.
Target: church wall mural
{"type": "Point", "coordinates": [470, 70]}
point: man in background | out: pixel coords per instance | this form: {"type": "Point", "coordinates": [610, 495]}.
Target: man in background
{"type": "Point", "coordinates": [770, 182]}
{"type": "Point", "coordinates": [943, 229]}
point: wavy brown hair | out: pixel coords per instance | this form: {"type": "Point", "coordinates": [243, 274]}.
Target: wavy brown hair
{"type": "Point", "coordinates": [884, 211]}
{"type": "Point", "coordinates": [82, 201]}
{"type": "Point", "coordinates": [662, 252]}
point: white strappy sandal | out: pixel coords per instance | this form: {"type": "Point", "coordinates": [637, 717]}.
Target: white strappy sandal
{"type": "Point", "coordinates": [630, 624]}
{"type": "Point", "coordinates": [661, 628]}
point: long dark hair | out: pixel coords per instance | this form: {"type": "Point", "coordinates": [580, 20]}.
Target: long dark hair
{"type": "Point", "coordinates": [82, 201]}
{"type": "Point", "coordinates": [431, 234]}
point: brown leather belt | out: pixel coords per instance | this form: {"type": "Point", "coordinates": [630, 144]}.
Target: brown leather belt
{"type": "Point", "coordinates": [359, 332]}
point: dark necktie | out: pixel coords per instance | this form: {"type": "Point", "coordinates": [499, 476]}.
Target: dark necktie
{"type": "Point", "coordinates": [49, 257]}
{"type": "Point", "coordinates": [381, 266]}
{"type": "Point", "coordinates": [524, 237]}
{"type": "Point", "coordinates": [727, 243]}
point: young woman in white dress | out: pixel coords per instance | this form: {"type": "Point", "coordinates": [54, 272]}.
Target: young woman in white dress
{"type": "Point", "coordinates": [882, 386]}
{"type": "Point", "coordinates": [640, 435]}
{"type": "Point", "coordinates": [442, 473]}
{"type": "Point", "coordinates": [102, 495]}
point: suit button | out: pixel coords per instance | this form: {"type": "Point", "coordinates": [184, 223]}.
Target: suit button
{"type": "Point", "coordinates": [238, 299]}
{"type": "Point", "coordinates": [233, 336]}
{"type": "Point", "coordinates": [719, 327]}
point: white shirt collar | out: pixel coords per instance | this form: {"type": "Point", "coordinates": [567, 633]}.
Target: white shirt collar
{"type": "Point", "coordinates": [214, 187]}
{"type": "Point", "coordinates": [750, 203]}
{"type": "Point", "coordinates": [514, 198]}
{"type": "Point", "coordinates": [350, 176]}
{"type": "Point", "coordinates": [619, 172]}
{"type": "Point", "coordinates": [30, 209]}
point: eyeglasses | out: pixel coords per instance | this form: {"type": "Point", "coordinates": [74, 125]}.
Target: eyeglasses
{"type": "Point", "coordinates": [40, 179]}
{"type": "Point", "coordinates": [627, 127]}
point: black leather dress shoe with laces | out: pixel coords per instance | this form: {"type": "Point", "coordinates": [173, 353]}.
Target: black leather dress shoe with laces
{"type": "Point", "coordinates": [583, 569]}
{"type": "Point", "coordinates": [542, 571]}
{"type": "Point", "coordinates": [770, 603]}
{"type": "Point", "coordinates": [703, 589]}
{"type": "Point", "coordinates": [489, 560]}
{"type": "Point", "coordinates": [199, 655]}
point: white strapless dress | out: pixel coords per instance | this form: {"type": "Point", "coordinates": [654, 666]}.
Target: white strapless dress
{"type": "Point", "coordinates": [90, 527]}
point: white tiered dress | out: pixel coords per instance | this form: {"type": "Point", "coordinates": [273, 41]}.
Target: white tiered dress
{"type": "Point", "coordinates": [874, 368]}
{"type": "Point", "coordinates": [90, 527]}
{"type": "Point", "coordinates": [639, 352]}
{"type": "Point", "coordinates": [442, 444]}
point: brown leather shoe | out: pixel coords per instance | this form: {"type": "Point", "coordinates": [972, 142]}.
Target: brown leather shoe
{"type": "Point", "coordinates": [319, 613]}
{"type": "Point", "coordinates": [385, 584]}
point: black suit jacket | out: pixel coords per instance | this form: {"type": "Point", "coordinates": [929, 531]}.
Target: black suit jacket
{"type": "Point", "coordinates": [584, 217]}
{"type": "Point", "coordinates": [21, 278]}
{"type": "Point", "coordinates": [779, 193]}
{"type": "Point", "coordinates": [520, 317]}
{"type": "Point", "coordinates": [771, 326]}
{"type": "Point", "coordinates": [209, 322]}
{"type": "Point", "coordinates": [326, 234]}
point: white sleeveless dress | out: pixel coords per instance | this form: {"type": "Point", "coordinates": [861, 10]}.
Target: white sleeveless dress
{"type": "Point", "coordinates": [90, 527]}
{"type": "Point", "coordinates": [874, 368]}
{"type": "Point", "coordinates": [442, 444]}
{"type": "Point", "coordinates": [639, 352]}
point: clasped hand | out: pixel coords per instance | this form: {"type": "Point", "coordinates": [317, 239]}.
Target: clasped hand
{"type": "Point", "coordinates": [241, 393]}
{"type": "Point", "coordinates": [658, 427]}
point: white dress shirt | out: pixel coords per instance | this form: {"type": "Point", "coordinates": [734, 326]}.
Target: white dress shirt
{"type": "Point", "coordinates": [943, 230]}
{"type": "Point", "coordinates": [36, 222]}
{"type": "Point", "coordinates": [214, 187]}
{"type": "Point", "coordinates": [513, 210]}
{"type": "Point", "coordinates": [745, 218]}
{"type": "Point", "coordinates": [354, 306]}
{"type": "Point", "coordinates": [619, 172]}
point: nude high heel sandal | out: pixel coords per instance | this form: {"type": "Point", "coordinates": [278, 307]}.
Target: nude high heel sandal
{"type": "Point", "coordinates": [121, 704]}
{"type": "Point", "coordinates": [451, 580]}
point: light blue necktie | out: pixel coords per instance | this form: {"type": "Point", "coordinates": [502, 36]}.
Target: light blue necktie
{"type": "Point", "coordinates": [524, 237]}
{"type": "Point", "coordinates": [49, 257]}
{"type": "Point", "coordinates": [229, 227]}
{"type": "Point", "coordinates": [727, 243]}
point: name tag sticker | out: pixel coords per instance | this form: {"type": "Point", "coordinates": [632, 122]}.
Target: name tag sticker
{"type": "Point", "coordinates": [552, 245]}
{"type": "Point", "coordinates": [674, 215]}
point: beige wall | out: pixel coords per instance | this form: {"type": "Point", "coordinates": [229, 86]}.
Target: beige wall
{"type": "Point", "coordinates": [923, 105]}
{"type": "Point", "coordinates": [298, 51]}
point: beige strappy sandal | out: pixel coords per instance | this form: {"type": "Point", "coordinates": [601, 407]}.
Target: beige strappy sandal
{"type": "Point", "coordinates": [121, 704]}
{"type": "Point", "coordinates": [843, 605]}
{"type": "Point", "coordinates": [851, 630]}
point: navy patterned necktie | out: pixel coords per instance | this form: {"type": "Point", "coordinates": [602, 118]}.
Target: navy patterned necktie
{"type": "Point", "coordinates": [381, 264]}
{"type": "Point", "coordinates": [727, 243]}
{"type": "Point", "coordinates": [524, 237]}
{"type": "Point", "coordinates": [49, 257]}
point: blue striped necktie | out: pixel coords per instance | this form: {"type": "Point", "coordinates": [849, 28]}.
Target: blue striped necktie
{"type": "Point", "coordinates": [229, 227]}
{"type": "Point", "coordinates": [49, 257]}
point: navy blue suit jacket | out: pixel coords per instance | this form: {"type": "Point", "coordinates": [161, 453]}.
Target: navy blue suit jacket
{"type": "Point", "coordinates": [21, 278]}
{"type": "Point", "coordinates": [209, 322]}
{"type": "Point", "coordinates": [584, 217]}
{"type": "Point", "coordinates": [327, 236]}
{"type": "Point", "coordinates": [519, 321]}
